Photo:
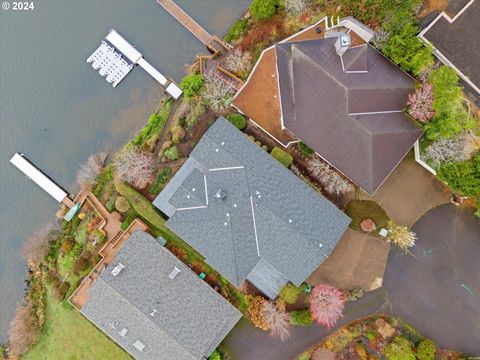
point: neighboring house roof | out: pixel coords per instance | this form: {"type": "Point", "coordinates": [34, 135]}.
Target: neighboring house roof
{"type": "Point", "coordinates": [455, 41]}
{"type": "Point", "coordinates": [237, 205]}
{"type": "Point", "coordinates": [349, 109]}
{"type": "Point", "coordinates": [153, 316]}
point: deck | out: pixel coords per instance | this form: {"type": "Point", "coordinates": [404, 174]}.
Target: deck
{"type": "Point", "coordinates": [191, 25]}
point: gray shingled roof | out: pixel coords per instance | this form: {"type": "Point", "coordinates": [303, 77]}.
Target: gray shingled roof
{"type": "Point", "coordinates": [267, 213]}
{"type": "Point", "coordinates": [190, 319]}
{"type": "Point", "coordinates": [328, 101]}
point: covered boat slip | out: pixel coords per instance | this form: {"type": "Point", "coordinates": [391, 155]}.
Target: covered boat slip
{"type": "Point", "coordinates": [38, 177]}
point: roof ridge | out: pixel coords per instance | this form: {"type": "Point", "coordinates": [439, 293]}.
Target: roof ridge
{"type": "Point", "coordinates": [144, 315]}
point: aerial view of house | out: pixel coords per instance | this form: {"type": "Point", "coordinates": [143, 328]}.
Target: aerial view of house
{"type": "Point", "coordinates": [247, 214]}
{"type": "Point", "coordinates": [345, 100]}
{"type": "Point", "coordinates": [155, 307]}
{"type": "Point", "coordinates": [284, 180]}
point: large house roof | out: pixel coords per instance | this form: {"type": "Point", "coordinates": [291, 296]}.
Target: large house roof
{"type": "Point", "coordinates": [236, 205]}
{"type": "Point", "coordinates": [348, 108]}
{"type": "Point", "coordinates": [142, 307]}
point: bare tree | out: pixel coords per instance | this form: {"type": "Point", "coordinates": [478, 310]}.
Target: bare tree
{"type": "Point", "coordinates": [420, 103]}
{"type": "Point", "coordinates": [217, 92]}
{"type": "Point", "coordinates": [331, 181]}
{"type": "Point", "coordinates": [446, 150]}
{"type": "Point", "coordinates": [278, 321]}
{"type": "Point", "coordinates": [295, 7]}
{"type": "Point", "coordinates": [89, 171]}
{"type": "Point", "coordinates": [135, 167]}
{"type": "Point", "coordinates": [23, 331]}
{"type": "Point", "coordinates": [36, 246]}
{"type": "Point", "coordinates": [237, 61]}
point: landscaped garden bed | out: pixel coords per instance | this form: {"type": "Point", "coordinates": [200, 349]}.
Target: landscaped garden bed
{"type": "Point", "coordinates": [377, 337]}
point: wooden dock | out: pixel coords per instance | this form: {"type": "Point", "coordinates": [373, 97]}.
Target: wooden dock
{"type": "Point", "coordinates": [191, 25]}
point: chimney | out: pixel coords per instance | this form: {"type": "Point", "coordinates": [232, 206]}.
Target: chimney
{"type": "Point", "coordinates": [342, 44]}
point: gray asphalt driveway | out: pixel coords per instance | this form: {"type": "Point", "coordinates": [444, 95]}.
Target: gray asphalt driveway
{"type": "Point", "coordinates": [437, 290]}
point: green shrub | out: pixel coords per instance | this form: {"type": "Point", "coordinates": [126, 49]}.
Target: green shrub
{"type": "Point", "coordinates": [236, 30]}
{"type": "Point", "coordinates": [290, 293]}
{"type": "Point", "coordinates": [301, 318]}
{"type": "Point", "coordinates": [451, 116]}
{"type": "Point", "coordinates": [238, 120]}
{"type": "Point", "coordinates": [426, 350]}
{"type": "Point", "coordinates": [304, 356]}
{"type": "Point", "coordinates": [399, 349]}
{"type": "Point", "coordinates": [263, 9]}
{"type": "Point", "coordinates": [162, 177]}
{"type": "Point", "coordinates": [191, 85]}
{"type": "Point", "coordinates": [172, 153]}
{"type": "Point", "coordinates": [131, 215]}
{"type": "Point", "coordinates": [215, 355]}
{"type": "Point", "coordinates": [282, 156]}
{"type": "Point", "coordinates": [178, 133]}
{"type": "Point", "coordinates": [305, 149]}
{"type": "Point", "coordinates": [155, 124]}
{"type": "Point", "coordinates": [121, 204]}
{"type": "Point", "coordinates": [406, 50]}
{"type": "Point", "coordinates": [141, 205]}
{"type": "Point", "coordinates": [462, 176]}
{"type": "Point", "coordinates": [102, 179]}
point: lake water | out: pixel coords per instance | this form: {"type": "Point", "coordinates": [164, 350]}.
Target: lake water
{"type": "Point", "coordinates": [57, 110]}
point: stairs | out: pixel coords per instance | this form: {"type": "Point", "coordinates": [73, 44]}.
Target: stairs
{"type": "Point", "coordinates": [116, 238]}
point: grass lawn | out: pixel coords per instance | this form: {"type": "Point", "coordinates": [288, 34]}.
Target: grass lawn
{"type": "Point", "coordinates": [361, 209]}
{"type": "Point", "coordinates": [70, 336]}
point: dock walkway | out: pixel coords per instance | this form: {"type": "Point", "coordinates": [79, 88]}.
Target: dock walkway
{"type": "Point", "coordinates": [191, 25]}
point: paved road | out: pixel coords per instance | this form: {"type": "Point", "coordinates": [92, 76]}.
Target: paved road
{"type": "Point", "coordinates": [438, 290]}
{"type": "Point", "coordinates": [425, 290]}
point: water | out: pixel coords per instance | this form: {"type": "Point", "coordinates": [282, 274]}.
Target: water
{"type": "Point", "coordinates": [57, 110]}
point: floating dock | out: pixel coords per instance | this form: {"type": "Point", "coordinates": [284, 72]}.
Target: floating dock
{"type": "Point", "coordinates": [42, 180]}
{"type": "Point", "coordinates": [116, 57]}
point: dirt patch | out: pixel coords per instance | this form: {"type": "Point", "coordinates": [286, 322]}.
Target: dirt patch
{"type": "Point", "coordinates": [430, 6]}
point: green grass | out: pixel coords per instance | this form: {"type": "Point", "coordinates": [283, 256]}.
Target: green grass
{"type": "Point", "coordinates": [361, 209]}
{"type": "Point", "coordinates": [70, 336]}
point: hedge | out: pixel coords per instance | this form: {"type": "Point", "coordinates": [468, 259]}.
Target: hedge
{"type": "Point", "coordinates": [237, 120]}
{"type": "Point", "coordinates": [282, 156]}
{"type": "Point", "coordinates": [301, 318]}
{"type": "Point", "coordinates": [155, 125]}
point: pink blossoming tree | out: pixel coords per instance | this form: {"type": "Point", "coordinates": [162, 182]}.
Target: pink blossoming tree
{"type": "Point", "coordinates": [326, 305]}
{"type": "Point", "coordinates": [420, 103]}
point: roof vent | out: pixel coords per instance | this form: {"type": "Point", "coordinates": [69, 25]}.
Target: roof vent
{"type": "Point", "coordinates": [321, 245]}
{"type": "Point", "coordinates": [342, 44]}
{"type": "Point", "coordinates": [139, 345]}
{"type": "Point", "coordinates": [123, 332]}
{"type": "Point", "coordinates": [153, 312]}
{"type": "Point", "coordinates": [220, 194]}
{"type": "Point", "coordinates": [117, 269]}
{"type": "Point", "coordinates": [174, 273]}
{"type": "Point", "coordinates": [114, 324]}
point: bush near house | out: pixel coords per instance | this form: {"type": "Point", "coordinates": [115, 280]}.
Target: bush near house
{"type": "Point", "coordinates": [462, 176]}
{"type": "Point", "coordinates": [305, 150]}
{"type": "Point", "coordinates": [290, 293]}
{"type": "Point", "coordinates": [238, 29]}
{"type": "Point", "coordinates": [451, 116]}
{"type": "Point", "coordinates": [172, 153]}
{"type": "Point", "coordinates": [162, 178]}
{"type": "Point", "coordinates": [399, 349]}
{"type": "Point", "coordinates": [263, 9]}
{"type": "Point", "coordinates": [191, 85]}
{"type": "Point", "coordinates": [426, 350]}
{"type": "Point", "coordinates": [155, 125]}
{"type": "Point", "coordinates": [301, 318]}
{"type": "Point", "coordinates": [282, 156]}
{"type": "Point", "coordinates": [238, 120]}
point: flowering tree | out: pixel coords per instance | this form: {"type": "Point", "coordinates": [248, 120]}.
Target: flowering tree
{"type": "Point", "coordinates": [420, 103]}
{"type": "Point", "coordinates": [401, 236]}
{"type": "Point", "coordinates": [446, 150]}
{"type": "Point", "coordinates": [277, 320]}
{"type": "Point", "coordinates": [295, 7]}
{"type": "Point", "coordinates": [135, 167]}
{"type": "Point", "coordinates": [237, 61]}
{"type": "Point", "coordinates": [331, 181]}
{"type": "Point", "coordinates": [326, 304]}
{"type": "Point", "coordinates": [88, 172]}
{"type": "Point", "coordinates": [218, 93]}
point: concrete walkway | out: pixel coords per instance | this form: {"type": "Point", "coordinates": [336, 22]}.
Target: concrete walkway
{"type": "Point", "coordinates": [410, 191]}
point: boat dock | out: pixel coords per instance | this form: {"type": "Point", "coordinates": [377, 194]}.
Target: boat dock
{"type": "Point", "coordinates": [210, 41]}
{"type": "Point", "coordinates": [42, 180]}
{"type": "Point", "coordinates": [116, 57]}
